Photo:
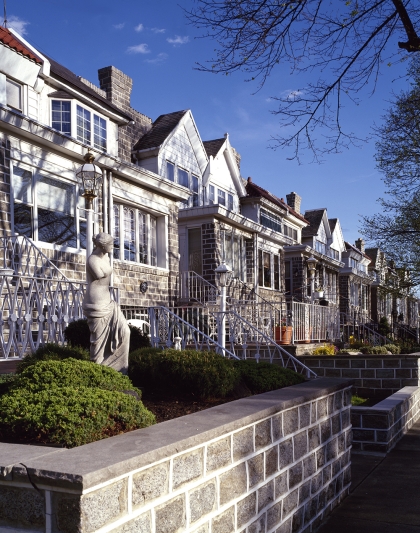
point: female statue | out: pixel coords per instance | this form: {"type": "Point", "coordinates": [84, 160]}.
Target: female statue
{"type": "Point", "coordinates": [109, 331]}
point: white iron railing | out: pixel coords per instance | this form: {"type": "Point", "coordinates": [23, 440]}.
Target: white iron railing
{"type": "Point", "coordinates": [21, 255]}
{"type": "Point", "coordinates": [194, 287]}
{"type": "Point", "coordinates": [169, 330]}
{"type": "Point", "coordinates": [312, 322]}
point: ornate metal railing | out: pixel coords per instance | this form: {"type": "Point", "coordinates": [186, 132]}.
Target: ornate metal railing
{"type": "Point", "coordinates": [312, 322]}
{"type": "Point", "coordinates": [21, 255]}
{"type": "Point", "coordinates": [360, 331]}
{"type": "Point", "coordinates": [246, 341]}
{"type": "Point", "coordinates": [194, 287]}
{"type": "Point", "coordinates": [169, 330]}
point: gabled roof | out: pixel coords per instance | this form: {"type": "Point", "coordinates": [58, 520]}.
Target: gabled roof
{"type": "Point", "coordinates": [314, 216]}
{"type": "Point", "coordinates": [350, 246]}
{"type": "Point", "coordinates": [256, 191]}
{"type": "Point", "coordinates": [59, 71]}
{"type": "Point", "coordinates": [333, 223]}
{"type": "Point", "coordinates": [162, 127]}
{"type": "Point", "coordinates": [11, 41]}
{"type": "Point", "coordinates": [213, 147]}
{"type": "Point", "coordinates": [63, 95]}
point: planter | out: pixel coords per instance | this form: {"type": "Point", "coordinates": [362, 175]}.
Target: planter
{"type": "Point", "coordinates": [283, 334]}
{"type": "Point", "coordinates": [318, 294]}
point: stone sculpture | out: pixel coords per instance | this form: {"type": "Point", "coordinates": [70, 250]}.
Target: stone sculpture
{"type": "Point", "coordinates": [109, 331]}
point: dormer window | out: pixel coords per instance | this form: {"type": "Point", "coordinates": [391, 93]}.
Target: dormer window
{"type": "Point", "coordinates": [221, 197]}
{"type": "Point", "coordinates": [230, 202]}
{"type": "Point", "coordinates": [14, 94]}
{"type": "Point", "coordinates": [61, 116]}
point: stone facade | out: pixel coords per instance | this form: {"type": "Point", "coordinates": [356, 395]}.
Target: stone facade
{"type": "Point", "coordinates": [373, 375]}
{"type": "Point", "coordinates": [378, 428]}
{"type": "Point", "coordinates": [275, 462]}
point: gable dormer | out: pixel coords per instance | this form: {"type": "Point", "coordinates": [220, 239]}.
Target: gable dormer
{"type": "Point", "coordinates": [173, 149]}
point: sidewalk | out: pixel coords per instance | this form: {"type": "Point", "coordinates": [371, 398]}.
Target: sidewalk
{"type": "Point", "coordinates": [385, 493]}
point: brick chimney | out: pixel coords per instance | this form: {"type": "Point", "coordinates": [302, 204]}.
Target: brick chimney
{"type": "Point", "coordinates": [294, 200]}
{"type": "Point", "coordinates": [360, 243]}
{"type": "Point", "coordinates": [117, 86]}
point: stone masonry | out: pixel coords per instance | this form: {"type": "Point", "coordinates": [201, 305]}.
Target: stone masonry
{"type": "Point", "coordinates": [277, 462]}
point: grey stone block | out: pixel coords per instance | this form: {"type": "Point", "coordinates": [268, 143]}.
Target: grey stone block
{"type": "Point", "coordinates": [374, 363]}
{"type": "Point", "coordinates": [314, 416]}
{"type": "Point", "coordinates": [357, 363]}
{"type": "Point", "coordinates": [205, 528]}
{"type": "Point", "coordinates": [271, 461]}
{"type": "Point", "coordinates": [286, 527]}
{"type": "Point", "coordinates": [280, 485]}
{"type": "Point", "coordinates": [170, 516]}
{"type": "Point", "coordinates": [142, 524]}
{"type": "Point", "coordinates": [233, 483]}
{"type": "Point", "coordinates": [338, 401]}
{"type": "Point", "coordinates": [290, 421]}
{"type": "Point", "coordinates": [246, 509]}
{"type": "Point", "coordinates": [265, 495]}
{"type": "Point", "coordinates": [342, 363]}
{"type": "Point", "coordinates": [322, 408]}
{"type": "Point", "coordinates": [375, 421]}
{"type": "Point", "coordinates": [311, 509]}
{"type": "Point", "coordinates": [277, 423]}
{"type": "Point", "coordinates": [285, 453]}
{"type": "Point", "coordinates": [366, 374]}
{"type": "Point", "coordinates": [326, 475]}
{"type": "Point", "coordinates": [256, 469]}
{"type": "Point", "coordinates": [150, 484]}
{"type": "Point", "coordinates": [21, 508]}
{"type": "Point", "coordinates": [325, 430]}
{"type": "Point", "coordinates": [297, 520]}
{"type": "Point", "coordinates": [384, 373]}
{"type": "Point", "coordinates": [263, 434]}
{"type": "Point", "coordinates": [304, 416]}
{"type": "Point", "coordinates": [218, 454]}
{"type": "Point", "coordinates": [332, 450]}
{"type": "Point", "coordinates": [202, 500]}
{"type": "Point", "coordinates": [187, 467]}
{"type": "Point", "coordinates": [336, 424]}
{"type": "Point", "coordinates": [362, 435]}
{"type": "Point", "coordinates": [313, 437]}
{"type": "Point", "coordinates": [351, 373]}
{"type": "Point", "coordinates": [290, 502]}
{"type": "Point", "coordinates": [309, 466]}
{"type": "Point", "coordinates": [316, 483]}
{"type": "Point", "coordinates": [274, 515]}
{"type": "Point", "coordinates": [224, 523]}
{"type": "Point", "coordinates": [320, 457]}
{"type": "Point", "coordinates": [345, 418]}
{"type": "Point", "coordinates": [243, 443]}
{"type": "Point", "coordinates": [333, 373]}
{"type": "Point", "coordinates": [103, 506]}
{"type": "Point", "coordinates": [295, 475]}
{"type": "Point", "coordinates": [258, 526]}
{"type": "Point", "coordinates": [300, 444]}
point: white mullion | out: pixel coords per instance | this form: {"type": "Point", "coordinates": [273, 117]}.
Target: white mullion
{"type": "Point", "coordinates": [137, 234]}
{"type": "Point", "coordinates": [35, 204]}
{"type": "Point", "coordinates": [149, 240]}
{"type": "Point", "coordinates": [122, 233]}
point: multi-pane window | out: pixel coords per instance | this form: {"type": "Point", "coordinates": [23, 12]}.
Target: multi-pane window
{"type": "Point", "coordinates": [45, 209]}
{"type": "Point", "coordinates": [271, 221]}
{"type": "Point", "coordinates": [83, 125]}
{"type": "Point", "coordinates": [183, 177]}
{"type": "Point", "coordinates": [221, 197]}
{"type": "Point", "coordinates": [269, 270]}
{"type": "Point", "coordinates": [99, 132]}
{"type": "Point", "coordinates": [211, 194]}
{"type": "Point", "coordinates": [230, 202]}
{"type": "Point", "coordinates": [14, 96]}
{"type": "Point", "coordinates": [290, 232]}
{"type": "Point", "coordinates": [194, 189]}
{"type": "Point", "coordinates": [135, 235]}
{"type": "Point", "coordinates": [235, 254]}
{"type": "Point", "coordinates": [170, 171]}
{"type": "Point", "coordinates": [61, 116]}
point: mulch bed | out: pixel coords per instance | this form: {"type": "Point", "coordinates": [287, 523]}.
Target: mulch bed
{"type": "Point", "coordinates": [169, 409]}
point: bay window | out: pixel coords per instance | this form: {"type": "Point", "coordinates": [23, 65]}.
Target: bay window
{"type": "Point", "coordinates": [45, 209]}
{"type": "Point", "coordinates": [61, 116]}
{"type": "Point", "coordinates": [269, 270]}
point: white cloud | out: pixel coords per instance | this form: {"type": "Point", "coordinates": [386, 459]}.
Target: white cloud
{"type": "Point", "coordinates": [17, 24]}
{"type": "Point", "coordinates": [138, 49]}
{"type": "Point", "coordinates": [292, 94]}
{"type": "Point", "coordinates": [160, 58]}
{"type": "Point", "coordinates": [119, 26]}
{"type": "Point", "coordinates": [158, 30]}
{"type": "Point", "coordinates": [139, 28]}
{"type": "Point", "coordinates": [178, 40]}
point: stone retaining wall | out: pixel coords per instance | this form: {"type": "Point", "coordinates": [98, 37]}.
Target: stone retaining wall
{"type": "Point", "coordinates": [276, 462]}
{"type": "Point", "coordinates": [379, 428]}
{"type": "Point", "coordinates": [373, 375]}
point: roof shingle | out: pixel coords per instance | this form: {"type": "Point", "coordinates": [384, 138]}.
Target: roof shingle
{"type": "Point", "coordinates": [161, 128]}
{"type": "Point", "coordinates": [315, 218]}
{"type": "Point", "coordinates": [7, 38]}
{"type": "Point", "coordinates": [213, 147]}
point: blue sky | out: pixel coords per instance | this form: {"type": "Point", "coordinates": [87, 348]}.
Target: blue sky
{"type": "Point", "coordinates": [153, 43]}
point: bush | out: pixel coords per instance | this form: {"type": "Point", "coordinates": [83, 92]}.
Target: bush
{"type": "Point", "coordinates": [69, 416]}
{"type": "Point", "coordinates": [53, 352]}
{"type": "Point", "coordinates": [174, 373]}
{"type": "Point", "coordinates": [6, 381]}
{"type": "Point", "coordinates": [326, 349]}
{"type": "Point", "coordinates": [358, 400]}
{"type": "Point", "coordinates": [393, 348]}
{"type": "Point", "coordinates": [344, 351]}
{"type": "Point", "coordinates": [71, 373]}
{"type": "Point", "coordinates": [263, 377]}
{"type": "Point", "coordinates": [384, 327]}
{"type": "Point", "coordinates": [374, 350]}
{"type": "Point", "coordinates": [77, 334]}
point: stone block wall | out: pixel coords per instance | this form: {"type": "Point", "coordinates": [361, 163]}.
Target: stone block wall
{"type": "Point", "coordinates": [373, 375]}
{"type": "Point", "coordinates": [378, 428]}
{"type": "Point", "coordinates": [276, 462]}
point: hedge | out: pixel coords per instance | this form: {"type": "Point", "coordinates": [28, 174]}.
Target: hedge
{"type": "Point", "coordinates": [53, 352]}
{"type": "Point", "coordinates": [263, 377]}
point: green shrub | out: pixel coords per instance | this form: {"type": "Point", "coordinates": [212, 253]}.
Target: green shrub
{"type": "Point", "coordinates": [374, 350]}
{"type": "Point", "coordinates": [53, 352]}
{"type": "Point", "coordinates": [344, 351]}
{"type": "Point", "coordinates": [393, 348]}
{"type": "Point", "coordinates": [183, 373]}
{"type": "Point", "coordinates": [384, 327]}
{"type": "Point", "coordinates": [71, 373]}
{"type": "Point", "coordinates": [69, 416]}
{"type": "Point", "coordinates": [358, 400]}
{"type": "Point", "coordinates": [263, 377]}
{"type": "Point", "coordinates": [6, 381]}
{"type": "Point", "coordinates": [77, 333]}
{"type": "Point", "coordinates": [325, 349]}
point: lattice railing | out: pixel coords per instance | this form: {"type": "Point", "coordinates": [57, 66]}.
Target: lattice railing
{"type": "Point", "coordinates": [21, 255]}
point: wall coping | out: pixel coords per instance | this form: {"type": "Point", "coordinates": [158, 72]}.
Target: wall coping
{"type": "Point", "coordinates": [388, 404]}
{"type": "Point", "coordinates": [361, 356]}
{"type": "Point", "coordinates": [86, 466]}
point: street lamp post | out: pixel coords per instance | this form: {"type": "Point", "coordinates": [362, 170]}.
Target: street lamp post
{"type": "Point", "coordinates": [89, 176]}
{"type": "Point", "coordinates": [312, 262]}
{"type": "Point", "coordinates": [222, 272]}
